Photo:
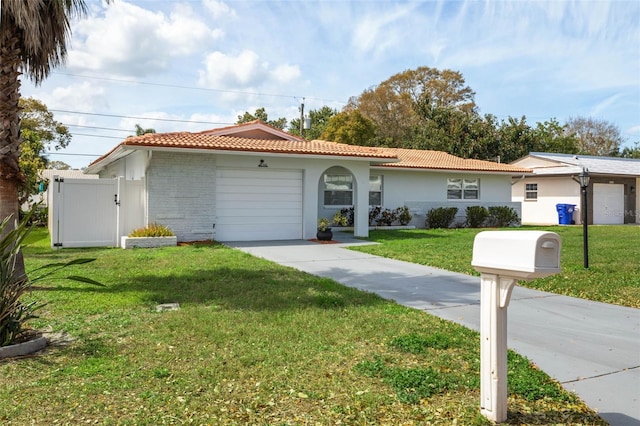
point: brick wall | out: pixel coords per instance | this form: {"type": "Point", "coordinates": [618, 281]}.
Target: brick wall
{"type": "Point", "coordinates": [181, 193]}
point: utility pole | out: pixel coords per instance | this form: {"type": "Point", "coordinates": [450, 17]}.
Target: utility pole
{"type": "Point", "coordinates": [301, 117]}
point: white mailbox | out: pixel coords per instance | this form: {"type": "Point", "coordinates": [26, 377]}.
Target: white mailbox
{"type": "Point", "coordinates": [503, 258]}
{"type": "Point", "coordinates": [518, 254]}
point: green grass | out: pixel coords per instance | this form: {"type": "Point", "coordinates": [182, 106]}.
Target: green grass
{"type": "Point", "coordinates": [254, 343]}
{"type": "Point", "coordinates": [614, 252]}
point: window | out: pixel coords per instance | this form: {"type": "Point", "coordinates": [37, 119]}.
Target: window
{"type": "Point", "coordinates": [375, 190]}
{"type": "Point", "coordinates": [463, 189]}
{"type": "Point", "coordinates": [338, 190]}
{"type": "Point", "coordinates": [531, 191]}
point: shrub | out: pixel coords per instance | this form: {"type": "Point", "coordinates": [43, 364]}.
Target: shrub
{"type": "Point", "coordinates": [152, 230]}
{"type": "Point", "coordinates": [503, 216]}
{"type": "Point", "coordinates": [13, 313]}
{"type": "Point", "coordinates": [404, 215]}
{"type": "Point", "coordinates": [476, 216]}
{"type": "Point", "coordinates": [324, 224]}
{"type": "Point", "coordinates": [374, 213]}
{"type": "Point", "coordinates": [348, 212]}
{"type": "Point", "coordinates": [340, 219]}
{"type": "Point", "coordinates": [386, 217]}
{"type": "Point", "coordinates": [38, 215]}
{"type": "Point", "coordinates": [441, 217]}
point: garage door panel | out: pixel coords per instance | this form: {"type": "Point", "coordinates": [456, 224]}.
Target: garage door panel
{"type": "Point", "coordinates": [261, 220]}
{"type": "Point", "coordinates": [258, 204]}
{"type": "Point", "coordinates": [246, 208]}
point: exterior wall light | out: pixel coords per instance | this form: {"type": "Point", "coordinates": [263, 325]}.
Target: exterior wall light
{"type": "Point", "coordinates": [263, 164]}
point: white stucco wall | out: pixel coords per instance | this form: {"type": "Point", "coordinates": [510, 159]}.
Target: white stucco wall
{"type": "Point", "coordinates": [131, 167]}
{"type": "Point", "coordinates": [551, 191]}
{"type": "Point", "coordinates": [422, 190]}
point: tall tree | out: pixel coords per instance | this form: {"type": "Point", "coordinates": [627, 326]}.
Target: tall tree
{"type": "Point", "coordinates": [595, 136]}
{"type": "Point", "coordinates": [319, 121]}
{"type": "Point", "coordinates": [391, 105]}
{"type": "Point", "coordinates": [261, 114]}
{"type": "Point", "coordinates": [350, 127]}
{"type": "Point", "coordinates": [33, 41]}
{"type": "Point", "coordinates": [39, 132]}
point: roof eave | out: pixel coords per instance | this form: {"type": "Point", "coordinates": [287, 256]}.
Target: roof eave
{"type": "Point", "coordinates": [118, 153]}
{"type": "Point", "coordinates": [451, 170]}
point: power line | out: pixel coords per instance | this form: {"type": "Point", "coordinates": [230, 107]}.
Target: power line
{"type": "Point", "coordinates": [137, 118]}
{"type": "Point", "coordinates": [73, 154]}
{"type": "Point", "coordinates": [176, 86]}
{"type": "Point", "coordinates": [98, 128]}
{"type": "Point", "coordinates": [97, 136]}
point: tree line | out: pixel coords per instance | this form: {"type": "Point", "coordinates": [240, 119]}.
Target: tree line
{"type": "Point", "coordinates": [433, 109]}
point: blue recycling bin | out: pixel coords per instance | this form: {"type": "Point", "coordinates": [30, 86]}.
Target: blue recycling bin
{"type": "Point", "coordinates": [565, 213]}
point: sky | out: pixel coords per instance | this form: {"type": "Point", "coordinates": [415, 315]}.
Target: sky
{"type": "Point", "coordinates": [192, 65]}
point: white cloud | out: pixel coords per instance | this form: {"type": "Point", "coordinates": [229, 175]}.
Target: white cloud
{"type": "Point", "coordinates": [285, 73]}
{"type": "Point", "coordinates": [245, 70]}
{"type": "Point", "coordinates": [132, 41]}
{"type": "Point", "coordinates": [219, 9]}
{"type": "Point", "coordinates": [224, 71]}
{"type": "Point", "coordinates": [378, 32]}
{"type": "Point", "coordinates": [83, 96]}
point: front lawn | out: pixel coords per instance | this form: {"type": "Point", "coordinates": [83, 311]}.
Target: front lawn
{"type": "Point", "coordinates": [614, 258]}
{"type": "Point", "coordinates": [254, 343]}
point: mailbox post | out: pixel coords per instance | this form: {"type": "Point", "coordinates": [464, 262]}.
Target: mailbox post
{"type": "Point", "coordinates": [503, 258]}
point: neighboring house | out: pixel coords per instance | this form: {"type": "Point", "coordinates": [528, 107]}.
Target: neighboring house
{"type": "Point", "coordinates": [256, 182]}
{"type": "Point", "coordinates": [45, 177]}
{"type": "Point", "coordinates": [612, 194]}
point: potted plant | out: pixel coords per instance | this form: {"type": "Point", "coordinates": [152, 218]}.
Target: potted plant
{"type": "Point", "coordinates": [340, 219]}
{"type": "Point", "coordinates": [324, 230]}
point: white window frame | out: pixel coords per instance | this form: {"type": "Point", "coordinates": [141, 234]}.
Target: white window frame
{"type": "Point", "coordinates": [377, 191]}
{"type": "Point", "coordinates": [531, 191]}
{"type": "Point", "coordinates": [349, 178]}
{"type": "Point", "coordinates": [465, 185]}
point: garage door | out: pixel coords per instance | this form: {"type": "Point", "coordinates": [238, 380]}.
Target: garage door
{"type": "Point", "coordinates": [258, 204]}
{"type": "Point", "coordinates": [608, 204]}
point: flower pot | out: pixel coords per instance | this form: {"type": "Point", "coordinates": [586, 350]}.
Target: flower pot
{"type": "Point", "coordinates": [325, 235]}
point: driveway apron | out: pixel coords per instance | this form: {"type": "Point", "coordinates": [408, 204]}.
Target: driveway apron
{"type": "Point", "coordinates": [592, 348]}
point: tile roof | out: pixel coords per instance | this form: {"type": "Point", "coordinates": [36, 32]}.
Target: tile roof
{"type": "Point", "coordinates": [270, 140]}
{"type": "Point", "coordinates": [438, 160]}
{"type": "Point", "coordinates": [243, 144]}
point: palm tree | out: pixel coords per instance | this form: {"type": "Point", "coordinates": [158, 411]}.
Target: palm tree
{"type": "Point", "coordinates": [33, 41]}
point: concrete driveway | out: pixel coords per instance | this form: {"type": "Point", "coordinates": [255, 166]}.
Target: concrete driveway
{"type": "Point", "coordinates": [592, 348]}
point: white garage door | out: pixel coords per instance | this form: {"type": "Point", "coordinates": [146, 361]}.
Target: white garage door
{"type": "Point", "coordinates": [608, 204]}
{"type": "Point", "coordinates": [258, 204]}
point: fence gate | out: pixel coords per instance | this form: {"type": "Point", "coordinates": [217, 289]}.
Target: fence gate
{"type": "Point", "coordinates": [84, 212]}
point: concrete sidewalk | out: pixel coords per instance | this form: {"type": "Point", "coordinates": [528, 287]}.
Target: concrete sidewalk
{"type": "Point", "coordinates": [591, 348]}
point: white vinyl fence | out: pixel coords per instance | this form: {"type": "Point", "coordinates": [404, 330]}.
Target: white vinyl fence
{"type": "Point", "coordinates": [94, 212]}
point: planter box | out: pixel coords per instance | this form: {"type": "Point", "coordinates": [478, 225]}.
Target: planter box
{"type": "Point", "coordinates": [148, 242]}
